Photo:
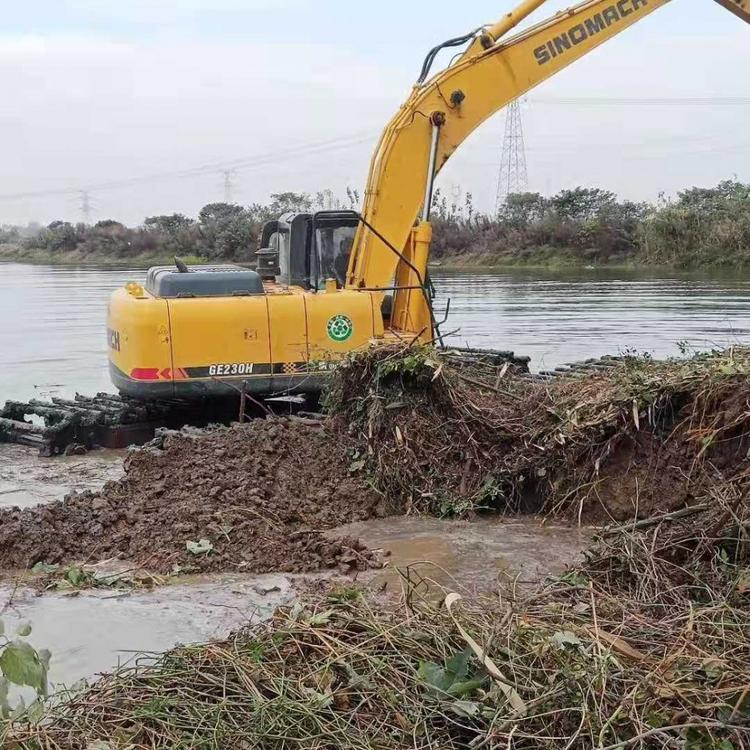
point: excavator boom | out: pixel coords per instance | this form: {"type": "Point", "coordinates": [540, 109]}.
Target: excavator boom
{"type": "Point", "coordinates": [741, 8]}
{"type": "Point", "coordinates": [444, 110]}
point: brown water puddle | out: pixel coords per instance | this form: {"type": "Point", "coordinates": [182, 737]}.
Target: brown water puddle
{"type": "Point", "coordinates": [26, 479]}
{"type": "Point", "coordinates": [94, 631]}
{"type": "Point", "coordinates": [469, 556]}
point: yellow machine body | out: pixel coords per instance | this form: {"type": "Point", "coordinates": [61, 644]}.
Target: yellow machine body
{"type": "Point", "coordinates": [280, 341]}
{"type": "Point", "coordinates": [309, 312]}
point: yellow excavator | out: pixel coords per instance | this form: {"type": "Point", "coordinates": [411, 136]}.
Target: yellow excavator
{"type": "Point", "coordinates": [331, 282]}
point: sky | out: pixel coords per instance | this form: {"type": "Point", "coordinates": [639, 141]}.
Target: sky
{"type": "Point", "coordinates": [143, 103]}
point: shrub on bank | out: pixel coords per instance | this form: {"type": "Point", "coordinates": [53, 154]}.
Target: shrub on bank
{"type": "Point", "coordinates": [583, 226]}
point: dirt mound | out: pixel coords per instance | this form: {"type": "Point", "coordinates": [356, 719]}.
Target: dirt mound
{"type": "Point", "coordinates": [639, 438]}
{"type": "Point", "coordinates": [261, 494]}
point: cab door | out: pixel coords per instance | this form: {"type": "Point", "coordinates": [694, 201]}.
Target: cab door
{"type": "Point", "coordinates": [288, 339]}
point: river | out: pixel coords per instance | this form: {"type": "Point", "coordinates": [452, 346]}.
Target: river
{"type": "Point", "coordinates": [52, 318]}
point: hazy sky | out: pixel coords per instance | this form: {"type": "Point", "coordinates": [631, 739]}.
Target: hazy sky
{"type": "Point", "coordinates": [96, 91]}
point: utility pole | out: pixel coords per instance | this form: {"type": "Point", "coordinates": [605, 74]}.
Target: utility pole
{"type": "Point", "coordinates": [513, 177]}
{"type": "Point", "coordinates": [228, 184]}
{"type": "Point", "coordinates": [86, 206]}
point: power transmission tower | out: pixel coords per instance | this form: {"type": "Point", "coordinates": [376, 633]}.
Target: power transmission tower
{"type": "Point", "coordinates": [86, 206]}
{"type": "Point", "coordinates": [228, 184]}
{"type": "Point", "coordinates": [513, 176]}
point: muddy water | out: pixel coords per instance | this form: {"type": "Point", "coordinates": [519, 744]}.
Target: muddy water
{"type": "Point", "coordinates": [93, 632]}
{"type": "Point", "coordinates": [52, 319]}
{"type": "Point", "coordinates": [26, 479]}
{"type": "Point", "coordinates": [469, 556]}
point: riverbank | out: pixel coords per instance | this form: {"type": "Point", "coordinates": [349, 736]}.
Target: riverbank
{"type": "Point", "coordinates": [465, 261]}
{"type": "Point", "coordinates": [555, 259]}
{"type": "Point", "coordinates": [39, 257]}
{"type": "Point", "coordinates": [646, 642]}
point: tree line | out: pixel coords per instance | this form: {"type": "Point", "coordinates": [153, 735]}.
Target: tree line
{"type": "Point", "coordinates": [698, 227]}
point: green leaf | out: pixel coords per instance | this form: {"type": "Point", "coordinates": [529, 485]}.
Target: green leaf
{"type": "Point", "coordinates": [322, 618]}
{"type": "Point", "coordinates": [465, 709]}
{"type": "Point", "coordinates": [466, 687]}
{"type": "Point", "coordinates": [21, 665]}
{"type": "Point", "coordinates": [457, 667]}
{"type": "Point", "coordinates": [19, 710]}
{"type": "Point", "coordinates": [565, 638]}
{"type": "Point", "coordinates": [43, 567]}
{"type": "Point", "coordinates": [4, 707]}
{"type": "Point", "coordinates": [35, 712]}
{"type": "Point", "coordinates": [75, 575]}
{"type": "Point", "coordinates": [433, 675]}
{"type": "Point", "coordinates": [24, 629]}
{"type": "Point", "coordinates": [203, 547]}
{"type": "Point", "coordinates": [575, 578]}
{"type": "Point", "coordinates": [44, 657]}
{"type": "Point", "coordinates": [2, 627]}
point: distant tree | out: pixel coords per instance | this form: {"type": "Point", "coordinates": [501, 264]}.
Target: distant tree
{"type": "Point", "coordinates": [59, 237]}
{"type": "Point", "coordinates": [219, 213]}
{"type": "Point", "coordinates": [521, 209]}
{"type": "Point", "coordinates": [582, 203]}
{"type": "Point", "coordinates": [9, 234]}
{"type": "Point", "coordinates": [282, 203]}
{"type": "Point", "coordinates": [352, 195]}
{"type": "Point", "coordinates": [110, 224]}
{"type": "Point", "coordinates": [722, 197]}
{"type": "Point", "coordinates": [227, 231]}
{"type": "Point", "coordinates": [170, 224]}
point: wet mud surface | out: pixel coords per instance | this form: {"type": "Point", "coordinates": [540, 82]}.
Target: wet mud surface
{"type": "Point", "coordinates": [254, 498]}
{"type": "Point", "coordinates": [297, 491]}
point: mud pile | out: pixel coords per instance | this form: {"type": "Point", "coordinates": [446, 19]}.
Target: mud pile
{"type": "Point", "coordinates": [635, 439]}
{"type": "Point", "coordinates": [260, 494]}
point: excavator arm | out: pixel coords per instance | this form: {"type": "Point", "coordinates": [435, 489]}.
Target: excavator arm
{"type": "Point", "coordinates": [444, 110]}
{"type": "Point", "coordinates": [740, 8]}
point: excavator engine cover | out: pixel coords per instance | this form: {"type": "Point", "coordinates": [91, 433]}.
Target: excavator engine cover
{"type": "Point", "coordinates": [202, 281]}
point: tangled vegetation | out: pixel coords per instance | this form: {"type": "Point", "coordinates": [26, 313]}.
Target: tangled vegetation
{"type": "Point", "coordinates": [222, 231]}
{"type": "Point", "coordinates": [622, 438]}
{"type": "Point", "coordinates": [699, 228]}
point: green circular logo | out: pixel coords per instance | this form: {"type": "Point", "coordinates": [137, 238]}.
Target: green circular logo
{"type": "Point", "coordinates": [340, 328]}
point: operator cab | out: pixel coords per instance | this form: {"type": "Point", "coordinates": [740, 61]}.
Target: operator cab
{"type": "Point", "coordinates": [308, 249]}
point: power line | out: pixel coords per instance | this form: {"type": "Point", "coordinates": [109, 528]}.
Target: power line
{"type": "Point", "coordinates": [660, 101]}
{"type": "Point", "coordinates": [248, 162]}
{"type": "Point", "coordinates": [513, 177]}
